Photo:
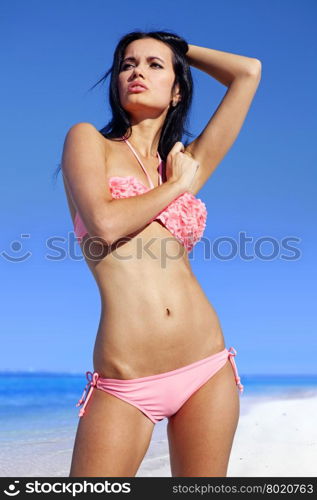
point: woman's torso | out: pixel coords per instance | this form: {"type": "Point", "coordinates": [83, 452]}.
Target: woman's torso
{"type": "Point", "coordinates": [155, 317]}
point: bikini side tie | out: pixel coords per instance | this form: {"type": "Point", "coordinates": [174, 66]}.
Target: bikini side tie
{"type": "Point", "coordinates": [92, 382]}
{"type": "Point", "coordinates": [234, 366]}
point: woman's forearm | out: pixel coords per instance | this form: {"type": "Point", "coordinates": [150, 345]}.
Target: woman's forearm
{"type": "Point", "coordinates": [223, 66]}
{"type": "Point", "coordinates": [128, 215]}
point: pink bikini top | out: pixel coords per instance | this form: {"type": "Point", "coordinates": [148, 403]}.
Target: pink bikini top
{"type": "Point", "coordinates": [185, 216]}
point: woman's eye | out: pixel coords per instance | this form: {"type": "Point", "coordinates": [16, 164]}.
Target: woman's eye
{"type": "Point", "coordinates": [127, 64]}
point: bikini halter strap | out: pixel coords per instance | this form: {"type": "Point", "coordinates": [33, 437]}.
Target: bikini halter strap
{"type": "Point", "coordinates": [143, 167]}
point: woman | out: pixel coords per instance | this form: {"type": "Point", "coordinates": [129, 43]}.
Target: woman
{"type": "Point", "coordinates": [160, 350]}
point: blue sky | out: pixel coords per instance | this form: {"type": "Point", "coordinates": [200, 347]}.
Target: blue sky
{"type": "Point", "coordinates": [265, 187]}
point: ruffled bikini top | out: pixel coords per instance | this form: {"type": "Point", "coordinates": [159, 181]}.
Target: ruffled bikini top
{"type": "Point", "coordinates": [184, 217]}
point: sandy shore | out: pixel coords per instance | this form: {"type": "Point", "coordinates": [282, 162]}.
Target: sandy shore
{"type": "Point", "coordinates": [274, 438]}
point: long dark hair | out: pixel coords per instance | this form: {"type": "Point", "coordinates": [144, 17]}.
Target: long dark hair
{"type": "Point", "coordinates": [177, 117]}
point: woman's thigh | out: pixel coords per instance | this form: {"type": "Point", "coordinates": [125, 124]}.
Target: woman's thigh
{"type": "Point", "coordinates": [112, 438]}
{"type": "Point", "coordinates": [201, 433]}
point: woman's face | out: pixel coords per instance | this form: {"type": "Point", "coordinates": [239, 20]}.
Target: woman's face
{"type": "Point", "coordinates": [151, 64]}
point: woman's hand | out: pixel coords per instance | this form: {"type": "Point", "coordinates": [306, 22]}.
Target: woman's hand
{"type": "Point", "coordinates": [180, 166]}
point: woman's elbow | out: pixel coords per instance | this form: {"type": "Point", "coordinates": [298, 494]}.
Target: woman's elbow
{"type": "Point", "coordinates": [106, 234]}
{"type": "Point", "coordinates": [101, 229]}
{"type": "Point", "coordinates": [255, 67]}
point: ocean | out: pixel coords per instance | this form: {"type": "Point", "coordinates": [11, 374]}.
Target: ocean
{"type": "Point", "coordinates": [36, 400]}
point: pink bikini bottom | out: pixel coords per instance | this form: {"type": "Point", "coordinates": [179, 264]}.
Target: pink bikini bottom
{"type": "Point", "coordinates": [160, 396]}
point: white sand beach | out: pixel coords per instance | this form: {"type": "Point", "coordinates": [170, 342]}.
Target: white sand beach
{"type": "Point", "coordinates": [275, 437]}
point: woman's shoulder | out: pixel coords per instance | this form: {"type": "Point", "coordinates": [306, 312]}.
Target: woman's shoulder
{"type": "Point", "coordinates": [86, 130]}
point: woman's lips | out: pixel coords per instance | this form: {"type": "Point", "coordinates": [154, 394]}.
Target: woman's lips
{"type": "Point", "coordinates": [136, 88]}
